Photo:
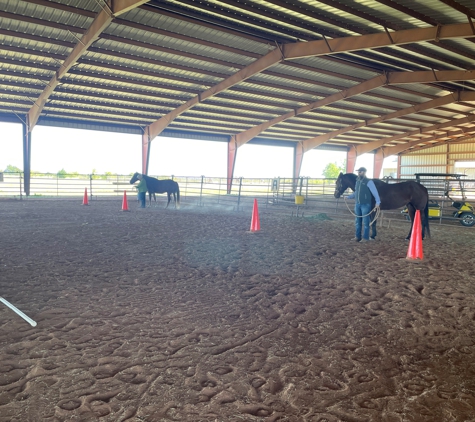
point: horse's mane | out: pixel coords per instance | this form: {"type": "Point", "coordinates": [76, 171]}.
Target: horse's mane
{"type": "Point", "coordinates": [377, 182]}
{"type": "Point", "coordinates": [350, 176]}
{"type": "Point", "coordinates": [147, 177]}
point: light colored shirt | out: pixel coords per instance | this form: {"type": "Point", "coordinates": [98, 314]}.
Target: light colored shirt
{"type": "Point", "coordinates": [142, 186]}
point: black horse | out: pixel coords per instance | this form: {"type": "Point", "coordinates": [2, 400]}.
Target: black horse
{"type": "Point", "coordinates": [393, 196]}
{"type": "Point", "coordinates": [160, 186]}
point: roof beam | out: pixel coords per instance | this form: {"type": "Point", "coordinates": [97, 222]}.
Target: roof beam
{"type": "Point", "coordinates": [171, 51]}
{"type": "Point", "coordinates": [154, 94]}
{"type": "Point", "coordinates": [243, 137]}
{"type": "Point", "coordinates": [447, 99]}
{"type": "Point", "coordinates": [387, 79]}
{"type": "Point", "coordinates": [459, 134]}
{"type": "Point", "coordinates": [204, 42]}
{"type": "Point", "coordinates": [470, 119]}
{"type": "Point", "coordinates": [462, 9]}
{"type": "Point", "coordinates": [370, 146]}
{"type": "Point", "coordinates": [101, 21]}
{"type": "Point", "coordinates": [259, 65]}
{"type": "Point", "coordinates": [364, 42]}
{"type": "Point", "coordinates": [317, 48]}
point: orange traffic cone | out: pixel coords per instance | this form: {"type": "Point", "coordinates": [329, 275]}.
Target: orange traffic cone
{"type": "Point", "coordinates": [415, 243]}
{"type": "Point", "coordinates": [125, 204]}
{"type": "Point", "coordinates": [85, 200]}
{"type": "Point", "coordinates": [255, 223]}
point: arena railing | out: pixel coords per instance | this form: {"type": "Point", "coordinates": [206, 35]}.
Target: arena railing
{"type": "Point", "coordinates": [302, 196]}
{"type": "Point", "coordinates": [201, 191]}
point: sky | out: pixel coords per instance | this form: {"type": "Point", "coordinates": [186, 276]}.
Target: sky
{"type": "Point", "coordinates": [86, 151]}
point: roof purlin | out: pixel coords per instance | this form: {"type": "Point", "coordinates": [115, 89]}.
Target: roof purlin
{"type": "Point", "coordinates": [388, 79]}
{"type": "Point", "coordinates": [102, 20]}
{"type": "Point", "coordinates": [315, 48]}
{"type": "Point", "coordinates": [313, 142]}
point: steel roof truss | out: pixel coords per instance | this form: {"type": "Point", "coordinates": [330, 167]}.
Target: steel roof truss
{"type": "Point", "coordinates": [315, 48]}
{"type": "Point", "coordinates": [101, 21]}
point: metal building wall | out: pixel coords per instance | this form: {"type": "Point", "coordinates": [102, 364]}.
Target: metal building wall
{"type": "Point", "coordinates": [439, 159]}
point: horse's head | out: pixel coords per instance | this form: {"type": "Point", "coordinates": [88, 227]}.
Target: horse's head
{"type": "Point", "coordinates": [339, 186]}
{"type": "Point", "coordinates": [344, 182]}
{"type": "Point", "coordinates": [135, 177]}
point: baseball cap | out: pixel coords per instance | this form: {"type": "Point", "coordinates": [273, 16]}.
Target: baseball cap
{"type": "Point", "coordinates": [361, 169]}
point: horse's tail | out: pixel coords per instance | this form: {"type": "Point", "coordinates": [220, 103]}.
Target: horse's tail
{"type": "Point", "coordinates": [177, 194]}
{"type": "Point", "coordinates": [426, 217]}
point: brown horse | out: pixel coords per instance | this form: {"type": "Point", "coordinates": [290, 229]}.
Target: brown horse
{"type": "Point", "coordinates": [160, 186]}
{"type": "Point", "coordinates": [393, 196]}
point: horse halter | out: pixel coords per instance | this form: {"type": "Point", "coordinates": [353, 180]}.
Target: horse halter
{"type": "Point", "coordinates": [338, 188]}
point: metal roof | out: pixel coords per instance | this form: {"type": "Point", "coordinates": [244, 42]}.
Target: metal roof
{"type": "Point", "coordinates": [391, 74]}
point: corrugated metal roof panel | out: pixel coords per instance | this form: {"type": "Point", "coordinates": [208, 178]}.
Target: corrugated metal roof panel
{"type": "Point", "coordinates": [263, 24]}
{"type": "Point", "coordinates": [421, 91]}
{"type": "Point", "coordinates": [48, 14]}
{"type": "Point", "coordinates": [381, 12]}
{"type": "Point", "coordinates": [182, 46]}
{"type": "Point", "coordinates": [435, 10]}
{"type": "Point", "coordinates": [280, 82]}
{"type": "Point", "coordinates": [19, 70]}
{"type": "Point", "coordinates": [197, 60]}
{"type": "Point", "coordinates": [418, 93]}
{"type": "Point", "coordinates": [195, 31]}
{"type": "Point", "coordinates": [442, 58]}
{"type": "Point", "coordinates": [128, 76]}
{"type": "Point", "coordinates": [34, 48]}
{"type": "Point", "coordinates": [335, 67]}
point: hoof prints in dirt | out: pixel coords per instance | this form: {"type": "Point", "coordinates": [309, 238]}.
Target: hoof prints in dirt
{"type": "Point", "coordinates": [186, 317]}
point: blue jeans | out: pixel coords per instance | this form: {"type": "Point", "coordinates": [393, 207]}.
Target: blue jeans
{"type": "Point", "coordinates": [142, 199]}
{"type": "Point", "coordinates": [362, 209]}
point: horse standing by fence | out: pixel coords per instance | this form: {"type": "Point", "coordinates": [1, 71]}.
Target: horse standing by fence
{"type": "Point", "coordinates": [160, 186]}
{"type": "Point", "coordinates": [396, 195]}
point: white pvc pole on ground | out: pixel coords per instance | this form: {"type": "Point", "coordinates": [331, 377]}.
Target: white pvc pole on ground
{"type": "Point", "coordinates": [15, 309]}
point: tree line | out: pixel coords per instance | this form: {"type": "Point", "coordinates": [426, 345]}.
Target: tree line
{"type": "Point", "coordinates": [331, 171]}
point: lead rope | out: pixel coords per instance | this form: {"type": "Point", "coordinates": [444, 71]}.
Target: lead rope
{"type": "Point", "coordinates": [376, 209]}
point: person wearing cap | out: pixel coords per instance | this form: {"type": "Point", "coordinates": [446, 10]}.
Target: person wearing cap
{"type": "Point", "coordinates": [142, 190]}
{"type": "Point", "coordinates": [365, 190]}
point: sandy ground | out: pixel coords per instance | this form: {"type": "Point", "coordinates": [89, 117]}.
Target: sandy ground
{"type": "Point", "coordinates": [165, 315]}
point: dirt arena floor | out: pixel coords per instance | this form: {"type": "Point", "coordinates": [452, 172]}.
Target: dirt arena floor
{"type": "Point", "coordinates": [162, 315]}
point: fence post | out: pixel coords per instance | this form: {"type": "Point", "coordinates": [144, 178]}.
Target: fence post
{"type": "Point", "coordinates": [239, 193]}
{"type": "Point", "coordinates": [219, 190]}
{"type": "Point", "coordinates": [90, 186]}
{"type": "Point", "coordinates": [201, 191]}
{"type": "Point", "coordinates": [21, 188]}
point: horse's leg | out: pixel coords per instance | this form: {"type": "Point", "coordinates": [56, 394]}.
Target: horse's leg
{"type": "Point", "coordinates": [426, 220]}
{"type": "Point", "coordinates": [423, 223]}
{"type": "Point", "coordinates": [169, 195]}
{"type": "Point", "coordinates": [411, 211]}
